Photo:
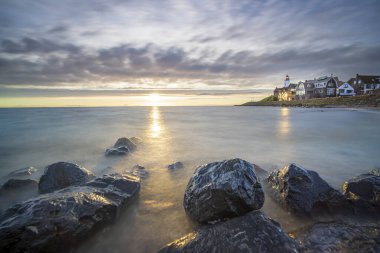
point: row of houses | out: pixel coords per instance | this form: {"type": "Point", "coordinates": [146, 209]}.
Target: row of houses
{"type": "Point", "coordinates": [327, 86]}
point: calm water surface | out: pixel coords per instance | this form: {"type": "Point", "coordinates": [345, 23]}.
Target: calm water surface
{"type": "Point", "coordinates": [336, 143]}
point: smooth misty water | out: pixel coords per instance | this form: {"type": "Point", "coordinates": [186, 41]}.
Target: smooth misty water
{"type": "Point", "coordinates": [337, 143]}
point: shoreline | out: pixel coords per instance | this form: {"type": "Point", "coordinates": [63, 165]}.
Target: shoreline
{"type": "Point", "coordinates": [369, 102]}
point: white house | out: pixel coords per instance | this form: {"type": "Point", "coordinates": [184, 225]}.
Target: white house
{"type": "Point", "coordinates": [345, 90]}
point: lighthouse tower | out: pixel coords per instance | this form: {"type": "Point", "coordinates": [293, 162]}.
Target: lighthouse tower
{"type": "Point", "coordinates": [287, 81]}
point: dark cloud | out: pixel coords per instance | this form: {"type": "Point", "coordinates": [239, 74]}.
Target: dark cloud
{"type": "Point", "coordinates": [30, 45]}
{"type": "Point", "coordinates": [127, 62]}
{"type": "Point", "coordinates": [59, 29]}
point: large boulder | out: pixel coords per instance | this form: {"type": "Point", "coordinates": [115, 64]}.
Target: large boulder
{"type": "Point", "coordinates": [365, 187]}
{"type": "Point", "coordinates": [62, 174]}
{"type": "Point", "coordinates": [303, 191]}
{"type": "Point", "coordinates": [253, 232]}
{"type": "Point", "coordinates": [123, 146]}
{"type": "Point", "coordinates": [55, 222]}
{"type": "Point", "coordinates": [340, 237]}
{"type": "Point", "coordinates": [222, 190]}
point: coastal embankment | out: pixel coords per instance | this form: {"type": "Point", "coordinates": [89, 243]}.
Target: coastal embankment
{"type": "Point", "coordinates": [362, 101]}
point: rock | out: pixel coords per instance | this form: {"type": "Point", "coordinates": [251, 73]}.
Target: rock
{"type": "Point", "coordinates": [15, 184]}
{"type": "Point", "coordinates": [56, 222]}
{"type": "Point", "coordinates": [139, 171]}
{"type": "Point", "coordinates": [253, 232]}
{"type": "Point", "coordinates": [222, 190]}
{"type": "Point", "coordinates": [24, 172]}
{"type": "Point", "coordinates": [123, 146]}
{"type": "Point", "coordinates": [303, 191]}
{"type": "Point", "coordinates": [116, 151]}
{"type": "Point", "coordinates": [340, 237]}
{"type": "Point", "coordinates": [62, 174]}
{"type": "Point", "coordinates": [365, 187]}
{"type": "Point", "coordinates": [176, 165]}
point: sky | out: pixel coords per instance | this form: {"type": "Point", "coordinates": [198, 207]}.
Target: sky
{"type": "Point", "coordinates": [70, 48]}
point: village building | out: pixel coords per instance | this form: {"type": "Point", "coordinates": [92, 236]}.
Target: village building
{"type": "Point", "coordinates": [286, 93]}
{"type": "Point", "coordinates": [364, 84]}
{"type": "Point", "coordinates": [324, 86]}
{"type": "Point", "coordinates": [345, 90]}
{"type": "Point", "coordinates": [304, 90]}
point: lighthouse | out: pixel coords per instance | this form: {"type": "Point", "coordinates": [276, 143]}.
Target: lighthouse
{"type": "Point", "coordinates": [286, 81]}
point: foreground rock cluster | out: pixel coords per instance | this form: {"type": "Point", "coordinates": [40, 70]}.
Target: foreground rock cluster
{"type": "Point", "coordinates": [225, 197]}
{"type": "Point", "coordinates": [69, 204]}
{"type": "Point", "coordinates": [74, 205]}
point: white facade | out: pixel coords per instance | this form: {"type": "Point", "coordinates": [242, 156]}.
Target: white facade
{"type": "Point", "coordinates": [345, 90]}
{"type": "Point", "coordinates": [286, 81]}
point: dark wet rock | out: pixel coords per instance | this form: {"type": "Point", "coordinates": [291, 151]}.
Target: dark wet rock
{"type": "Point", "coordinates": [21, 173]}
{"type": "Point", "coordinates": [253, 232]}
{"type": "Point", "coordinates": [303, 191]}
{"type": "Point", "coordinates": [363, 192]}
{"type": "Point", "coordinates": [55, 222]}
{"type": "Point", "coordinates": [340, 237]}
{"type": "Point", "coordinates": [222, 190]}
{"type": "Point", "coordinates": [175, 166]}
{"type": "Point", "coordinates": [62, 174]}
{"type": "Point", "coordinates": [123, 146]}
{"type": "Point", "coordinates": [15, 184]}
{"type": "Point", "coordinates": [136, 140]}
{"type": "Point", "coordinates": [139, 171]}
{"type": "Point", "coordinates": [365, 187]}
{"type": "Point", "coordinates": [116, 151]}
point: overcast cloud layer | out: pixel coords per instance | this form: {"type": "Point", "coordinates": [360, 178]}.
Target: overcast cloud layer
{"type": "Point", "coordinates": [184, 44]}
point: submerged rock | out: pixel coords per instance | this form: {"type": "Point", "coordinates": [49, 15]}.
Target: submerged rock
{"type": "Point", "coordinates": [62, 174]}
{"type": "Point", "coordinates": [16, 184]}
{"type": "Point", "coordinates": [253, 232]}
{"type": "Point", "coordinates": [365, 187]}
{"type": "Point", "coordinates": [340, 237]}
{"type": "Point", "coordinates": [55, 222]}
{"type": "Point", "coordinates": [176, 165]}
{"type": "Point", "coordinates": [139, 171]}
{"type": "Point", "coordinates": [303, 191]}
{"type": "Point", "coordinates": [223, 190]}
{"type": "Point", "coordinates": [21, 173]}
{"type": "Point", "coordinates": [123, 146]}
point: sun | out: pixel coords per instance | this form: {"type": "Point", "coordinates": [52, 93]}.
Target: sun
{"type": "Point", "coordinates": [154, 99]}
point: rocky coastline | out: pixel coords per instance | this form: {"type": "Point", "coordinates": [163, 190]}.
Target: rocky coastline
{"type": "Point", "coordinates": [223, 199]}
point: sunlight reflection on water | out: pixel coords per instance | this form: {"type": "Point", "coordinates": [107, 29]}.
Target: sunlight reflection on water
{"type": "Point", "coordinates": [155, 123]}
{"type": "Point", "coordinates": [284, 124]}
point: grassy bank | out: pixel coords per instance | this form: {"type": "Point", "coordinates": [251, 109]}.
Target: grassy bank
{"type": "Point", "coordinates": [356, 101]}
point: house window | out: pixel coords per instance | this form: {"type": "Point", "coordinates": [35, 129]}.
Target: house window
{"type": "Point", "coordinates": [348, 91]}
{"type": "Point", "coordinates": [341, 91]}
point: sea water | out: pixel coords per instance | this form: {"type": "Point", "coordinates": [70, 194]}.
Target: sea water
{"type": "Point", "coordinates": [337, 143]}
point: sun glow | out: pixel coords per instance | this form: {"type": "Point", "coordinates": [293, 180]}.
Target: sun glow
{"type": "Point", "coordinates": [155, 127]}
{"type": "Point", "coordinates": [154, 99]}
